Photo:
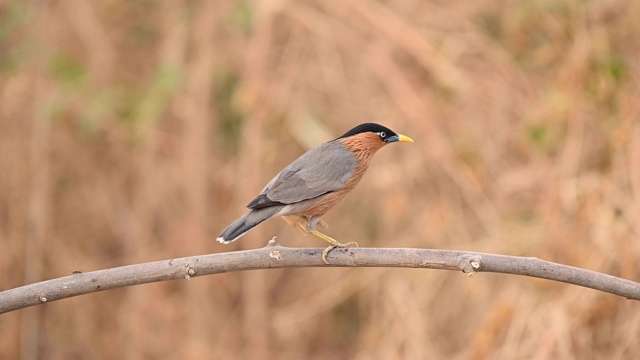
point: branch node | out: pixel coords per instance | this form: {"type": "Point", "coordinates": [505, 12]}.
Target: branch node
{"type": "Point", "coordinates": [42, 298]}
{"type": "Point", "coordinates": [189, 272]}
{"type": "Point", "coordinates": [273, 242]}
{"type": "Point", "coordinates": [470, 264]}
{"type": "Point", "coordinates": [275, 254]}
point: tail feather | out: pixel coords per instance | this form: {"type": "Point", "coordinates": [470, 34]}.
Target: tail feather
{"type": "Point", "coordinates": [245, 223]}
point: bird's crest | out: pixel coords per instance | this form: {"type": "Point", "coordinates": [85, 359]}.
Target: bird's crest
{"type": "Point", "coordinates": [368, 127]}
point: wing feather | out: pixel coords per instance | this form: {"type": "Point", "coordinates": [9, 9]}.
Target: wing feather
{"type": "Point", "coordinates": [322, 170]}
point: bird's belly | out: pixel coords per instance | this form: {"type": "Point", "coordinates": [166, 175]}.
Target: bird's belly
{"type": "Point", "coordinates": [326, 202]}
{"type": "Point", "coordinates": [323, 205]}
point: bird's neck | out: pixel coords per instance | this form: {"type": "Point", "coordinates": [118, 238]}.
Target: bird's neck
{"type": "Point", "coordinates": [363, 146]}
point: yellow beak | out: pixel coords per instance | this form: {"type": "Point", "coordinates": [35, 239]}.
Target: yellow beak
{"type": "Point", "coordinates": [404, 138]}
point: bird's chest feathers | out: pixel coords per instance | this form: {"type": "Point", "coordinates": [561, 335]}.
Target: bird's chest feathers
{"type": "Point", "coordinates": [362, 148]}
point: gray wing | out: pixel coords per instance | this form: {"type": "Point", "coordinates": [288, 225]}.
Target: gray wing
{"type": "Point", "coordinates": [321, 170]}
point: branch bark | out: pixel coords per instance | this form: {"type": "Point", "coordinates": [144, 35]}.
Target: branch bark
{"type": "Point", "coordinates": [276, 256]}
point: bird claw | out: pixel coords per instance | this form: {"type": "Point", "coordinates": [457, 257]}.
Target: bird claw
{"type": "Point", "coordinates": [336, 245]}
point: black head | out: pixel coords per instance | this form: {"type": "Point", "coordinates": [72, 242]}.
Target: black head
{"type": "Point", "coordinates": [386, 134]}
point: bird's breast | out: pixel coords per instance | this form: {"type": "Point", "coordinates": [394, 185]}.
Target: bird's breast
{"type": "Point", "coordinates": [327, 201]}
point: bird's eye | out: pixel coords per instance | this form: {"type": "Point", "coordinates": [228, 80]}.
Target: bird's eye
{"type": "Point", "coordinates": [382, 134]}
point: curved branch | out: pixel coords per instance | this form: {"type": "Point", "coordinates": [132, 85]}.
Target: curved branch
{"type": "Point", "coordinates": [276, 256]}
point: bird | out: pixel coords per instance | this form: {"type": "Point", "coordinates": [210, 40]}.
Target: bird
{"type": "Point", "coordinates": [313, 183]}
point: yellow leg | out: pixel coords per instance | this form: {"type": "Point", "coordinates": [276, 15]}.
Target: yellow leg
{"type": "Point", "coordinates": [333, 242]}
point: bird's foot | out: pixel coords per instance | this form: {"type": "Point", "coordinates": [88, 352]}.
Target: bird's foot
{"type": "Point", "coordinates": [334, 244]}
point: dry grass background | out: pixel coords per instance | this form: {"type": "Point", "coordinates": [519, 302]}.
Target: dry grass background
{"type": "Point", "coordinates": [136, 131]}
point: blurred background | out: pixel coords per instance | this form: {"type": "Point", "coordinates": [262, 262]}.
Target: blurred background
{"type": "Point", "coordinates": [136, 131]}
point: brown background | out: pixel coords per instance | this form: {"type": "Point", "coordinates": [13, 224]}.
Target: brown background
{"type": "Point", "coordinates": [136, 131]}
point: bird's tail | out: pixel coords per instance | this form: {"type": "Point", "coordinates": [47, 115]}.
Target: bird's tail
{"type": "Point", "coordinates": [239, 227]}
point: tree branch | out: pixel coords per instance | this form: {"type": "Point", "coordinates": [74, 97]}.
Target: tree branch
{"type": "Point", "coordinates": [276, 256]}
